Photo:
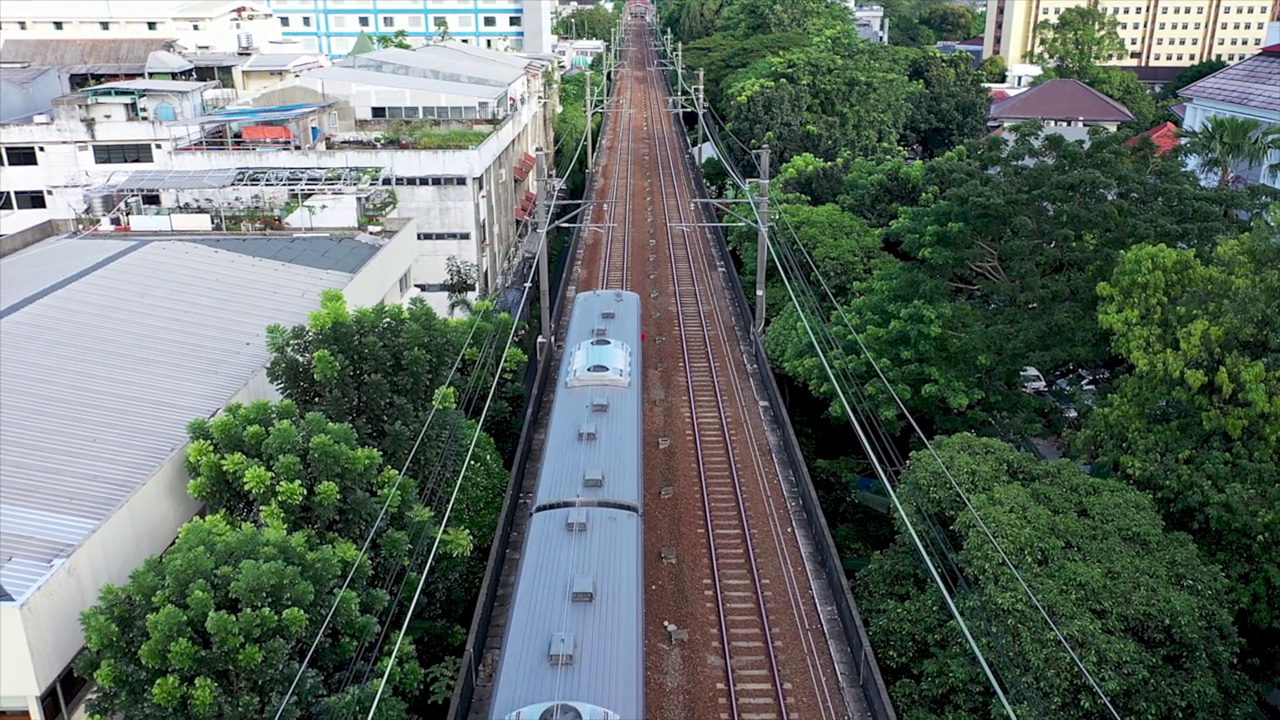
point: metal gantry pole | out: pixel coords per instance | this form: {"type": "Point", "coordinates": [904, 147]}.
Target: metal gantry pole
{"type": "Point", "coordinates": [544, 273]}
{"type": "Point", "coordinates": [762, 237]}
{"type": "Point", "coordinates": [590, 156]}
{"type": "Point", "coordinates": [698, 100]}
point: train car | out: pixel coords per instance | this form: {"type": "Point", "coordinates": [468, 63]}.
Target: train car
{"type": "Point", "coordinates": [574, 643]}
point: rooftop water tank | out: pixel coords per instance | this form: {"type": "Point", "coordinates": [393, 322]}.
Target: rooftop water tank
{"type": "Point", "coordinates": [244, 41]}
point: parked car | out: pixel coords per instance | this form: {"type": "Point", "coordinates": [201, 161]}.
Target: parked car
{"type": "Point", "coordinates": [1033, 381]}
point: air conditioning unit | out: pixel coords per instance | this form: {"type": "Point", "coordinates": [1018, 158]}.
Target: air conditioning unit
{"type": "Point", "coordinates": [41, 119]}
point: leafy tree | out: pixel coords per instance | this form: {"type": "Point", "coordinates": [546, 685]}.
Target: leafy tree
{"type": "Point", "coordinates": [1197, 422]}
{"type": "Point", "coordinates": [722, 55]}
{"type": "Point", "coordinates": [1083, 38]}
{"type": "Point", "coordinates": [948, 22]}
{"type": "Point", "coordinates": [398, 39]}
{"type": "Point", "coordinates": [998, 270]}
{"type": "Point", "coordinates": [217, 627]}
{"type": "Point", "coordinates": [460, 280]}
{"type": "Point", "coordinates": [267, 463]}
{"type": "Point", "coordinates": [1135, 600]}
{"type": "Point", "coordinates": [908, 32]}
{"type": "Point", "coordinates": [379, 369]}
{"type": "Point", "coordinates": [1226, 145]}
{"type": "Point", "coordinates": [836, 95]}
{"type": "Point", "coordinates": [592, 22]}
{"type": "Point", "coordinates": [1124, 86]}
{"type": "Point", "coordinates": [1199, 71]}
{"type": "Point", "coordinates": [753, 18]}
{"type": "Point", "coordinates": [951, 105]}
{"type": "Point", "coordinates": [993, 69]}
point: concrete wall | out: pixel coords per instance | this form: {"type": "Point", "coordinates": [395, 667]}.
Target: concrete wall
{"type": "Point", "coordinates": [35, 96]}
{"type": "Point", "coordinates": [378, 281]}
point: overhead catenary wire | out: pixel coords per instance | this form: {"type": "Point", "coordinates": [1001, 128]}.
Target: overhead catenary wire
{"type": "Point", "coordinates": [373, 530]}
{"type": "Point", "coordinates": [444, 521]}
{"type": "Point", "coordinates": [839, 310]}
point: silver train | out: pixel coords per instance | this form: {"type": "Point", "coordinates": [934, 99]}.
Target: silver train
{"type": "Point", "coordinates": [574, 644]}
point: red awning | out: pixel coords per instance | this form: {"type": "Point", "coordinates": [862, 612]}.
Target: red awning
{"type": "Point", "coordinates": [531, 196]}
{"type": "Point", "coordinates": [528, 161]}
{"type": "Point", "coordinates": [520, 172]}
{"type": "Point", "coordinates": [521, 214]}
{"type": "Point", "coordinates": [265, 132]}
{"type": "Point", "coordinates": [526, 203]}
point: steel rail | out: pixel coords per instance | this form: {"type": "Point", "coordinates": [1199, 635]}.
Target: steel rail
{"type": "Point", "coordinates": [663, 129]}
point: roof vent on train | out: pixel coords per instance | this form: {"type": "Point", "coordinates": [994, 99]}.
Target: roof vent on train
{"type": "Point", "coordinates": [561, 651]}
{"type": "Point", "coordinates": [559, 710]}
{"type": "Point", "coordinates": [600, 361]}
{"type": "Point", "coordinates": [583, 589]}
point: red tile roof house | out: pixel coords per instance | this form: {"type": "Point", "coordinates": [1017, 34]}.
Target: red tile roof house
{"type": "Point", "coordinates": [1164, 135]}
{"type": "Point", "coordinates": [1061, 104]}
{"type": "Point", "coordinates": [1248, 89]}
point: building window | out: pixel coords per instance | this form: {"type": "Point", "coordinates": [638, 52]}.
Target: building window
{"type": "Point", "coordinates": [104, 26]}
{"type": "Point", "coordinates": [515, 21]}
{"type": "Point", "coordinates": [414, 21]}
{"type": "Point", "coordinates": [444, 236]}
{"type": "Point", "coordinates": [284, 22]}
{"type": "Point", "coordinates": [121, 154]}
{"type": "Point", "coordinates": [29, 200]}
{"type": "Point", "coordinates": [1161, 27]}
{"type": "Point", "coordinates": [338, 21]}
{"type": "Point", "coordinates": [153, 26]}
{"type": "Point", "coordinates": [405, 283]}
{"type": "Point", "coordinates": [22, 24]}
{"type": "Point", "coordinates": [388, 21]}
{"type": "Point", "coordinates": [20, 155]}
{"type": "Point", "coordinates": [57, 25]}
{"type": "Point", "coordinates": [490, 21]}
{"type": "Point", "coordinates": [363, 21]}
{"type": "Point", "coordinates": [306, 21]}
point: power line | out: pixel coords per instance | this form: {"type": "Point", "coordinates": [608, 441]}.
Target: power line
{"type": "Point", "coordinates": [444, 521]}
{"type": "Point", "coordinates": [950, 477]}
{"type": "Point", "coordinates": [372, 530]}
{"type": "Point", "coordinates": [906, 520]}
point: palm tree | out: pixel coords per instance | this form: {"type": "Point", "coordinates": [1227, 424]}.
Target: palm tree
{"type": "Point", "coordinates": [1225, 144]}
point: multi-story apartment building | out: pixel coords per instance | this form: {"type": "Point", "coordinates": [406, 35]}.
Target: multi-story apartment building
{"type": "Point", "coordinates": [1159, 35]}
{"type": "Point", "coordinates": [332, 26]}
{"type": "Point", "coordinates": [197, 25]}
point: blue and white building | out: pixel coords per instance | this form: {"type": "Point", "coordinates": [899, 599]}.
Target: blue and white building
{"type": "Point", "coordinates": [332, 26]}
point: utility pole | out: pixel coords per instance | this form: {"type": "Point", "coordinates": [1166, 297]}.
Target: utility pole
{"type": "Point", "coordinates": [544, 273]}
{"type": "Point", "coordinates": [762, 237]}
{"type": "Point", "coordinates": [590, 162]}
{"type": "Point", "coordinates": [679, 68]}
{"type": "Point", "coordinates": [698, 99]}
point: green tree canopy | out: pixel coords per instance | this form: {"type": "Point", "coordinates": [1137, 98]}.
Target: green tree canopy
{"type": "Point", "coordinates": [218, 626]}
{"type": "Point", "coordinates": [591, 22]}
{"type": "Point", "coordinates": [1136, 601]}
{"type": "Point", "coordinates": [379, 370]}
{"type": "Point", "coordinates": [1199, 71]}
{"type": "Point", "coordinates": [1081, 39]}
{"type": "Point", "coordinates": [998, 269]}
{"type": "Point", "coordinates": [266, 463]}
{"type": "Point", "coordinates": [837, 95]}
{"type": "Point", "coordinates": [950, 106]}
{"type": "Point", "coordinates": [1197, 422]}
{"type": "Point", "coordinates": [948, 22]}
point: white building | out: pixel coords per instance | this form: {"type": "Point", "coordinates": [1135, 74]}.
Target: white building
{"type": "Point", "coordinates": [50, 157]}
{"type": "Point", "coordinates": [204, 25]}
{"type": "Point", "coordinates": [1249, 89]}
{"type": "Point", "coordinates": [449, 132]}
{"type": "Point", "coordinates": [332, 26]}
{"type": "Point", "coordinates": [869, 21]}
{"type": "Point", "coordinates": [93, 420]}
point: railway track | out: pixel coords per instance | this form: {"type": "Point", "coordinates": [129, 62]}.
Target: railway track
{"type": "Point", "coordinates": [754, 684]}
{"type": "Point", "coordinates": [758, 625]}
{"type": "Point", "coordinates": [615, 268]}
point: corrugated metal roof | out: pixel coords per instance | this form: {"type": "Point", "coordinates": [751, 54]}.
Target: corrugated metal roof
{"type": "Point", "coordinates": [283, 61]}
{"type": "Point", "coordinates": [1253, 83]}
{"type": "Point", "coordinates": [607, 667]}
{"type": "Point", "coordinates": [124, 56]}
{"type": "Point", "coordinates": [98, 378]}
{"type": "Point", "coordinates": [441, 62]}
{"type": "Point", "coordinates": [618, 434]}
{"type": "Point", "coordinates": [144, 84]}
{"type": "Point", "coordinates": [373, 78]}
